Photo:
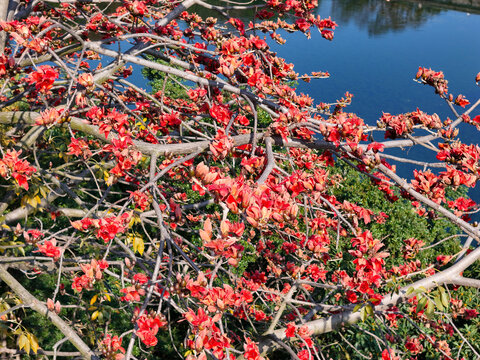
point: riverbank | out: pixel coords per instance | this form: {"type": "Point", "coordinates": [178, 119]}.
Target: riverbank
{"type": "Point", "coordinates": [470, 6]}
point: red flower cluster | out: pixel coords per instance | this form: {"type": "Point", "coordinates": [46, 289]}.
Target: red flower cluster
{"type": "Point", "coordinates": [49, 248]}
{"type": "Point", "coordinates": [411, 247]}
{"type": "Point", "coordinates": [216, 299]}
{"type": "Point", "coordinates": [207, 334]}
{"type": "Point", "coordinates": [79, 147]}
{"type": "Point", "coordinates": [132, 293]}
{"type": "Point", "coordinates": [142, 199]}
{"type": "Point", "coordinates": [225, 246]}
{"type": "Point", "coordinates": [148, 326]}
{"type": "Point", "coordinates": [369, 264]}
{"type": "Point", "coordinates": [137, 8]}
{"type": "Point", "coordinates": [461, 101]}
{"type": "Point", "coordinates": [461, 205]}
{"type": "Point", "coordinates": [348, 127]}
{"type": "Point", "coordinates": [92, 273]}
{"type": "Point", "coordinates": [454, 177]}
{"type": "Point", "coordinates": [457, 153]}
{"type": "Point", "coordinates": [12, 166]}
{"type": "Point", "coordinates": [303, 332]}
{"type": "Point", "coordinates": [106, 228]}
{"type": "Point", "coordinates": [222, 145]}
{"type": "Point", "coordinates": [259, 202]}
{"type": "Point", "coordinates": [399, 125]}
{"type": "Point", "coordinates": [111, 347]}
{"type": "Point", "coordinates": [389, 354]}
{"type": "Point", "coordinates": [43, 78]}
{"type": "Point", "coordinates": [433, 78]}
{"type": "Point", "coordinates": [49, 117]}
{"type": "Point", "coordinates": [251, 350]}
{"type": "Point", "coordinates": [429, 184]}
{"type": "Point", "coordinates": [459, 310]}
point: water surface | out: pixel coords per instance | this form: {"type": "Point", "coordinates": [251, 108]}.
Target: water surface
{"type": "Point", "coordinates": [377, 49]}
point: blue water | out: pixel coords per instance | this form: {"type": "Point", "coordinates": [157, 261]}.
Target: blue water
{"type": "Point", "coordinates": [377, 49]}
{"type": "Point", "coordinates": [378, 68]}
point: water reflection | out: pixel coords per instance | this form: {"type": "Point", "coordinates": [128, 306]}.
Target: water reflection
{"type": "Point", "coordinates": [379, 16]}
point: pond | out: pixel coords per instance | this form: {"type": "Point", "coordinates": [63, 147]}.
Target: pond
{"type": "Point", "coordinates": [377, 49]}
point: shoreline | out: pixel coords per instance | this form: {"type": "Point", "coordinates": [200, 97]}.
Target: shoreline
{"type": "Point", "coordinates": [469, 6]}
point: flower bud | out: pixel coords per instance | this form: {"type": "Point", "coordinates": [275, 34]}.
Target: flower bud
{"type": "Point", "coordinates": [419, 73]}
{"type": "Point", "coordinates": [50, 305]}
{"type": "Point", "coordinates": [201, 170]}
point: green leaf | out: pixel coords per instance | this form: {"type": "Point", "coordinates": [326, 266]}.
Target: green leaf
{"type": "Point", "coordinates": [445, 299]}
{"type": "Point", "coordinates": [358, 306]}
{"type": "Point", "coordinates": [421, 304]}
{"type": "Point", "coordinates": [420, 290]}
{"type": "Point", "coordinates": [369, 309]}
{"type": "Point", "coordinates": [430, 310]}
{"type": "Point", "coordinates": [363, 314]}
{"type": "Point", "coordinates": [438, 302]}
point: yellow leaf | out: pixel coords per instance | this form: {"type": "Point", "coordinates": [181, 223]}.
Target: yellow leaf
{"type": "Point", "coordinates": [33, 342]}
{"type": "Point", "coordinates": [140, 125]}
{"type": "Point", "coordinates": [21, 250]}
{"type": "Point", "coordinates": [32, 201]}
{"type": "Point", "coordinates": [5, 226]}
{"type": "Point", "coordinates": [95, 315]}
{"type": "Point", "coordinates": [24, 343]}
{"type": "Point", "coordinates": [138, 245]}
{"type": "Point", "coordinates": [134, 220]}
{"type": "Point", "coordinates": [107, 295]}
{"type": "Point", "coordinates": [93, 299]}
{"type": "Point", "coordinates": [38, 200]}
{"type": "Point", "coordinates": [43, 191]}
{"type": "Point", "coordinates": [129, 238]}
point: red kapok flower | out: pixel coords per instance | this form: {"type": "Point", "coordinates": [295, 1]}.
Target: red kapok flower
{"type": "Point", "coordinates": [251, 350]}
{"type": "Point", "coordinates": [43, 78]}
{"type": "Point", "coordinates": [290, 330]}
{"type": "Point", "coordinates": [49, 249]}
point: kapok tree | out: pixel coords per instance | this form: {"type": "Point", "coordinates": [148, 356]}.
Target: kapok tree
{"type": "Point", "coordinates": [214, 212]}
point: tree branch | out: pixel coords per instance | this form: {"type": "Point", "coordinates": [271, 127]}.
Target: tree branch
{"type": "Point", "coordinates": [334, 322]}
{"type": "Point", "coordinates": [39, 307]}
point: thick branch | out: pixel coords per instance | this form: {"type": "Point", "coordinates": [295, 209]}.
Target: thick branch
{"type": "Point", "coordinates": [468, 282]}
{"type": "Point", "coordinates": [270, 161]}
{"type": "Point", "coordinates": [171, 149]}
